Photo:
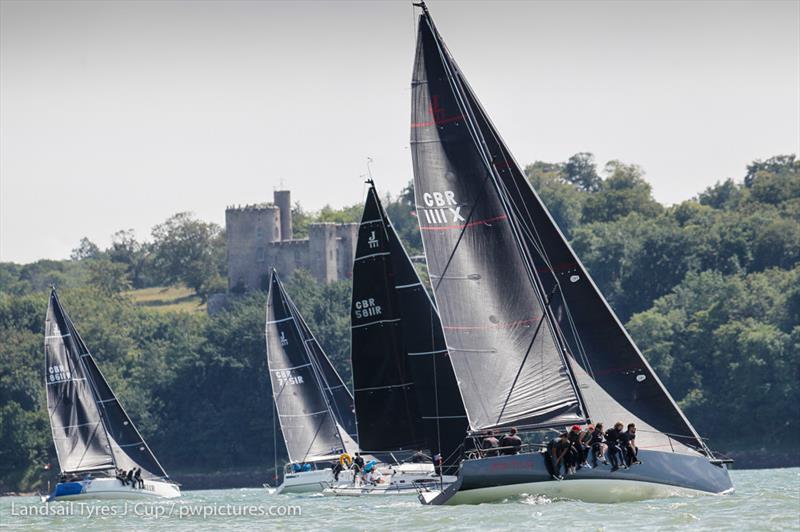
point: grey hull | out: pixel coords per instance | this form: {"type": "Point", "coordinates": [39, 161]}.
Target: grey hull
{"type": "Point", "coordinates": [659, 475]}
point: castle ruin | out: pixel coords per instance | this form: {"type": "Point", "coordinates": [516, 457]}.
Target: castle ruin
{"type": "Point", "coordinates": [259, 237]}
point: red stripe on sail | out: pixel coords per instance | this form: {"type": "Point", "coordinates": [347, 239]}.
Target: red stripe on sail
{"type": "Point", "coordinates": [479, 222]}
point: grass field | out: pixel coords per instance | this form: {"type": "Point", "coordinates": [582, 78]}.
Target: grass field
{"type": "Point", "coordinates": [167, 299]}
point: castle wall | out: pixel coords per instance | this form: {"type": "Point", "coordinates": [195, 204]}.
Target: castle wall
{"type": "Point", "coordinates": [256, 244]}
{"type": "Point", "coordinates": [287, 256]}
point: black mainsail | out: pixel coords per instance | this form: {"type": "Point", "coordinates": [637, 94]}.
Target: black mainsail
{"type": "Point", "coordinates": [496, 317]}
{"type": "Point", "coordinates": [90, 429]}
{"type": "Point", "coordinates": [300, 387]}
{"type": "Point", "coordinates": [488, 237]}
{"type": "Point", "coordinates": [384, 274]}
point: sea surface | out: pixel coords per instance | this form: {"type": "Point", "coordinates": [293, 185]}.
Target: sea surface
{"type": "Point", "coordinates": [764, 500]}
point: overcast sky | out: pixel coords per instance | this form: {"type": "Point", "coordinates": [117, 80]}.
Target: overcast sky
{"type": "Point", "coordinates": [116, 115]}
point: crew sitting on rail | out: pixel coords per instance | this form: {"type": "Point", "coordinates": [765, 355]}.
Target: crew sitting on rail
{"type": "Point", "coordinates": [628, 444]}
{"type": "Point", "coordinates": [490, 444]}
{"type": "Point", "coordinates": [614, 451]}
{"type": "Point", "coordinates": [598, 445]}
{"type": "Point", "coordinates": [511, 443]}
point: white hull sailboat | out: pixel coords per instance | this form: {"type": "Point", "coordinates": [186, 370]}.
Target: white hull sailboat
{"type": "Point", "coordinates": [93, 436]}
{"type": "Point", "coordinates": [107, 488]}
{"type": "Point", "coordinates": [313, 406]}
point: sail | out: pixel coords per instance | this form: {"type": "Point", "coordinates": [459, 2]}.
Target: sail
{"type": "Point", "coordinates": [588, 326]}
{"type": "Point", "coordinates": [338, 395]}
{"type": "Point", "coordinates": [78, 434]}
{"type": "Point", "coordinates": [592, 330]}
{"type": "Point", "coordinates": [386, 404]}
{"type": "Point", "coordinates": [309, 428]}
{"type": "Point", "coordinates": [436, 389]}
{"type": "Point", "coordinates": [495, 316]}
{"type": "Point", "coordinates": [101, 431]}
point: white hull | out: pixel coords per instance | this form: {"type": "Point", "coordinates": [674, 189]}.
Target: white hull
{"type": "Point", "coordinates": [586, 490]}
{"type": "Point", "coordinates": [405, 479]}
{"type": "Point", "coordinates": [311, 481]}
{"type": "Point", "coordinates": [111, 488]}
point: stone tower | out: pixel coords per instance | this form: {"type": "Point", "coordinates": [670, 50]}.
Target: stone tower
{"type": "Point", "coordinates": [283, 200]}
{"type": "Point", "coordinates": [249, 232]}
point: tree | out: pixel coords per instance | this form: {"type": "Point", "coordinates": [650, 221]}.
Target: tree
{"type": "Point", "coordinates": [86, 250]}
{"type": "Point", "coordinates": [108, 277]}
{"type": "Point", "coordinates": [624, 191]}
{"type": "Point", "coordinates": [581, 171]}
{"type": "Point", "coordinates": [186, 250]}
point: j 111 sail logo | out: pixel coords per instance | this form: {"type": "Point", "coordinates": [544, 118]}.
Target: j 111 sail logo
{"type": "Point", "coordinates": [284, 340]}
{"type": "Point", "coordinates": [59, 373]}
{"type": "Point", "coordinates": [286, 377]}
{"type": "Point", "coordinates": [373, 241]}
{"type": "Point", "coordinates": [442, 208]}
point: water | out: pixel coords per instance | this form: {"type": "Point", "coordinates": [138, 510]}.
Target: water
{"type": "Point", "coordinates": [764, 500]}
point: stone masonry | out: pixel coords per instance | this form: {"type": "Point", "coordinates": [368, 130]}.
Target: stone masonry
{"type": "Point", "coordinates": [259, 237]}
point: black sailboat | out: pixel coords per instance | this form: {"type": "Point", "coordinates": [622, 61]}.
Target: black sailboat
{"type": "Point", "coordinates": [314, 407]}
{"type": "Point", "coordinates": [406, 394]}
{"type": "Point", "coordinates": [92, 433]}
{"type": "Point", "coordinates": [533, 342]}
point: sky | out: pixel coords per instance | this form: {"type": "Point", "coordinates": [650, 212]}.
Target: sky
{"type": "Point", "coordinates": [116, 115]}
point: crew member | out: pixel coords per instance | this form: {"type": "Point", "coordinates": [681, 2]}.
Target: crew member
{"type": "Point", "coordinates": [598, 445]}
{"type": "Point", "coordinates": [628, 445]}
{"type": "Point", "coordinates": [490, 444]}
{"type": "Point", "coordinates": [613, 442]}
{"type": "Point", "coordinates": [511, 443]}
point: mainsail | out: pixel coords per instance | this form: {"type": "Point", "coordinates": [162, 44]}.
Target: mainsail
{"type": "Point", "coordinates": [386, 405]}
{"type": "Point", "coordinates": [91, 430]}
{"type": "Point", "coordinates": [420, 347]}
{"type": "Point", "coordinates": [496, 317]}
{"type": "Point", "coordinates": [613, 377]}
{"type": "Point", "coordinates": [308, 422]}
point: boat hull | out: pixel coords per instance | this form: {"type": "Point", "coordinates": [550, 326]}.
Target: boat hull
{"type": "Point", "coordinates": [400, 484]}
{"type": "Point", "coordinates": [660, 475]}
{"type": "Point", "coordinates": [311, 481]}
{"type": "Point", "coordinates": [111, 489]}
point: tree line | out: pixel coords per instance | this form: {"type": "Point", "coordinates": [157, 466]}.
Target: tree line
{"type": "Point", "coordinates": [709, 288]}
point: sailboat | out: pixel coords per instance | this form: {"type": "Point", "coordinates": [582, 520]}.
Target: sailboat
{"type": "Point", "coordinates": [313, 405]}
{"type": "Point", "coordinates": [92, 434]}
{"type": "Point", "coordinates": [406, 395]}
{"type": "Point", "coordinates": [533, 343]}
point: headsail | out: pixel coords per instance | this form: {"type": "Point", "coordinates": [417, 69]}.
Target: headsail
{"type": "Point", "coordinates": [310, 429]}
{"type": "Point", "coordinates": [585, 322]}
{"type": "Point", "coordinates": [91, 430]}
{"type": "Point", "coordinates": [439, 404]}
{"type": "Point", "coordinates": [338, 394]}
{"type": "Point", "coordinates": [496, 319]}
